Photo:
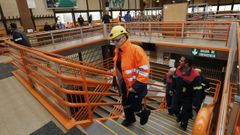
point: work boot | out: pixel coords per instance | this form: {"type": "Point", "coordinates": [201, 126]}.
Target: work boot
{"type": "Point", "coordinates": [183, 126]}
{"type": "Point", "coordinates": [127, 123]}
{"type": "Point", "coordinates": [178, 118]}
{"type": "Point", "coordinates": [145, 116]}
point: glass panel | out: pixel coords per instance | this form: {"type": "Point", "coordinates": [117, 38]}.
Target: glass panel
{"type": "Point", "coordinates": [189, 10]}
{"type": "Point", "coordinates": [212, 9]}
{"type": "Point", "coordinates": [64, 17]}
{"type": "Point", "coordinates": [198, 9]}
{"type": "Point", "coordinates": [84, 15]}
{"type": "Point", "coordinates": [132, 13]}
{"type": "Point", "coordinates": [225, 8]}
{"type": "Point", "coordinates": [95, 15]}
{"type": "Point", "coordinates": [236, 7]}
{"type": "Point", "coordinates": [115, 14]}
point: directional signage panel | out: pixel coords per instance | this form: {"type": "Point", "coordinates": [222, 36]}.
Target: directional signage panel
{"type": "Point", "coordinates": [204, 53]}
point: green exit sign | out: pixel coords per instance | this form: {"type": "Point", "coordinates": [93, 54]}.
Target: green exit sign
{"type": "Point", "coordinates": [204, 53]}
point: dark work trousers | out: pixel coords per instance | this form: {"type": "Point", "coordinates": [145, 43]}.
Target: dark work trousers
{"type": "Point", "coordinates": [133, 104]}
{"type": "Point", "coordinates": [197, 99]}
{"type": "Point", "coordinates": [169, 102]}
{"type": "Point", "coordinates": [181, 100]}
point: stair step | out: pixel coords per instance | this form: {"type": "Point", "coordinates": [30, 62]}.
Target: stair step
{"type": "Point", "coordinates": [137, 129]}
{"type": "Point", "coordinates": [170, 127]}
{"type": "Point", "coordinates": [173, 117]}
{"type": "Point", "coordinates": [101, 112]}
{"type": "Point", "coordinates": [78, 130]}
{"type": "Point", "coordinates": [117, 127]}
{"type": "Point", "coordinates": [98, 128]}
{"type": "Point", "coordinates": [109, 99]}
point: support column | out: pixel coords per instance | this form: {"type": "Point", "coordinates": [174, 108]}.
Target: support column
{"type": "Point", "coordinates": [3, 20]}
{"type": "Point", "coordinates": [141, 5]}
{"type": "Point", "coordinates": [25, 15]}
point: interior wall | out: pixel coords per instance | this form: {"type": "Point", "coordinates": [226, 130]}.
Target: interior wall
{"type": "Point", "coordinates": [138, 4]}
{"type": "Point", "coordinates": [132, 4]}
{"type": "Point", "coordinates": [94, 5]}
{"type": "Point", "coordinates": [175, 12]}
{"type": "Point", "coordinates": [126, 4]}
{"type": "Point", "coordinates": [199, 1]}
{"type": "Point", "coordinates": [9, 10]}
{"type": "Point", "coordinates": [41, 8]}
{"type": "Point", "coordinates": [82, 5]}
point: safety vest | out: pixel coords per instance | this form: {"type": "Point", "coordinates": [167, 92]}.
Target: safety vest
{"type": "Point", "coordinates": [134, 64]}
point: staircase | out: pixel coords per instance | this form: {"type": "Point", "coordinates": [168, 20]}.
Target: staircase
{"type": "Point", "coordinates": [160, 123]}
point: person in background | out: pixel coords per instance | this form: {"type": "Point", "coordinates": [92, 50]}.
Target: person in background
{"type": "Point", "coordinates": [200, 93]}
{"type": "Point", "coordinates": [90, 20]}
{"type": "Point", "coordinates": [120, 17]}
{"type": "Point", "coordinates": [128, 17]}
{"type": "Point", "coordinates": [68, 25]}
{"type": "Point", "coordinates": [60, 26]}
{"type": "Point", "coordinates": [168, 80]}
{"type": "Point", "coordinates": [18, 36]}
{"type": "Point", "coordinates": [47, 27]}
{"type": "Point", "coordinates": [106, 18]}
{"type": "Point", "coordinates": [80, 20]}
{"type": "Point", "coordinates": [132, 69]}
{"type": "Point", "coordinates": [186, 80]}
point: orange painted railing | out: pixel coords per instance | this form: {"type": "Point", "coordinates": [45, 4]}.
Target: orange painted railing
{"type": "Point", "coordinates": [203, 121]}
{"type": "Point", "coordinates": [204, 30]}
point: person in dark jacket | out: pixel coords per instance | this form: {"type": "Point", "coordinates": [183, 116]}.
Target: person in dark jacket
{"type": "Point", "coordinates": [128, 17]}
{"type": "Point", "coordinates": [47, 27]}
{"type": "Point", "coordinates": [200, 93]}
{"type": "Point", "coordinates": [106, 18]}
{"type": "Point", "coordinates": [90, 20]}
{"type": "Point", "coordinates": [80, 20]}
{"type": "Point", "coordinates": [186, 80]}
{"type": "Point", "coordinates": [168, 80]}
{"type": "Point", "coordinates": [18, 36]}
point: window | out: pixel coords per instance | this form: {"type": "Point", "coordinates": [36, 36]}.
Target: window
{"type": "Point", "coordinates": [236, 7]}
{"type": "Point", "coordinates": [84, 15]}
{"type": "Point", "coordinates": [189, 10]}
{"type": "Point", "coordinates": [155, 12]}
{"type": "Point", "coordinates": [115, 14]}
{"type": "Point", "coordinates": [212, 9]}
{"type": "Point", "coordinates": [95, 15]}
{"type": "Point", "coordinates": [225, 8]}
{"type": "Point", "coordinates": [198, 9]}
{"type": "Point", "coordinates": [132, 13]}
{"type": "Point", "coordinates": [149, 12]}
{"type": "Point", "coordinates": [64, 17]}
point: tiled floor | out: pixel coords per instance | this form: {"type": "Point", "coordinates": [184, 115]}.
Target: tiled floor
{"type": "Point", "coordinates": [20, 112]}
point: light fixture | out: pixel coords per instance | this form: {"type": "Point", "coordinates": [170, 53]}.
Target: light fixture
{"type": "Point", "coordinates": [173, 1]}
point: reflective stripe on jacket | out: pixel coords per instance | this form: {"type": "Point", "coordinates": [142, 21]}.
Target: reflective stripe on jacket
{"type": "Point", "coordinates": [134, 64]}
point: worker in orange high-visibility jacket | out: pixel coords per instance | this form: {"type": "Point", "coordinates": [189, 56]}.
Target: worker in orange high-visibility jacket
{"type": "Point", "coordinates": [131, 66]}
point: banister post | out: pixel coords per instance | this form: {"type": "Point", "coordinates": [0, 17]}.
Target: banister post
{"type": "Point", "coordinates": [26, 64]}
{"type": "Point", "coordinates": [86, 96]}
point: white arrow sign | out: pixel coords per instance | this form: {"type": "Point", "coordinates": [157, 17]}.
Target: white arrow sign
{"type": "Point", "coordinates": [194, 52]}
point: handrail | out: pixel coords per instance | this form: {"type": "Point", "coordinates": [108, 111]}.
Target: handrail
{"type": "Point", "coordinates": [222, 116]}
{"type": "Point", "coordinates": [57, 60]}
{"type": "Point", "coordinates": [203, 120]}
{"type": "Point", "coordinates": [168, 29]}
{"type": "Point", "coordinates": [69, 84]}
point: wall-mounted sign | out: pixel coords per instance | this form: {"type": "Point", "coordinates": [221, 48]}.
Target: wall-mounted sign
{"type": "Point", "coordinates": [116, 4]}
{"type": "Point", "coordinates": [31, 3]}
{"type": "Point", "coordinates": [204, 53]}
